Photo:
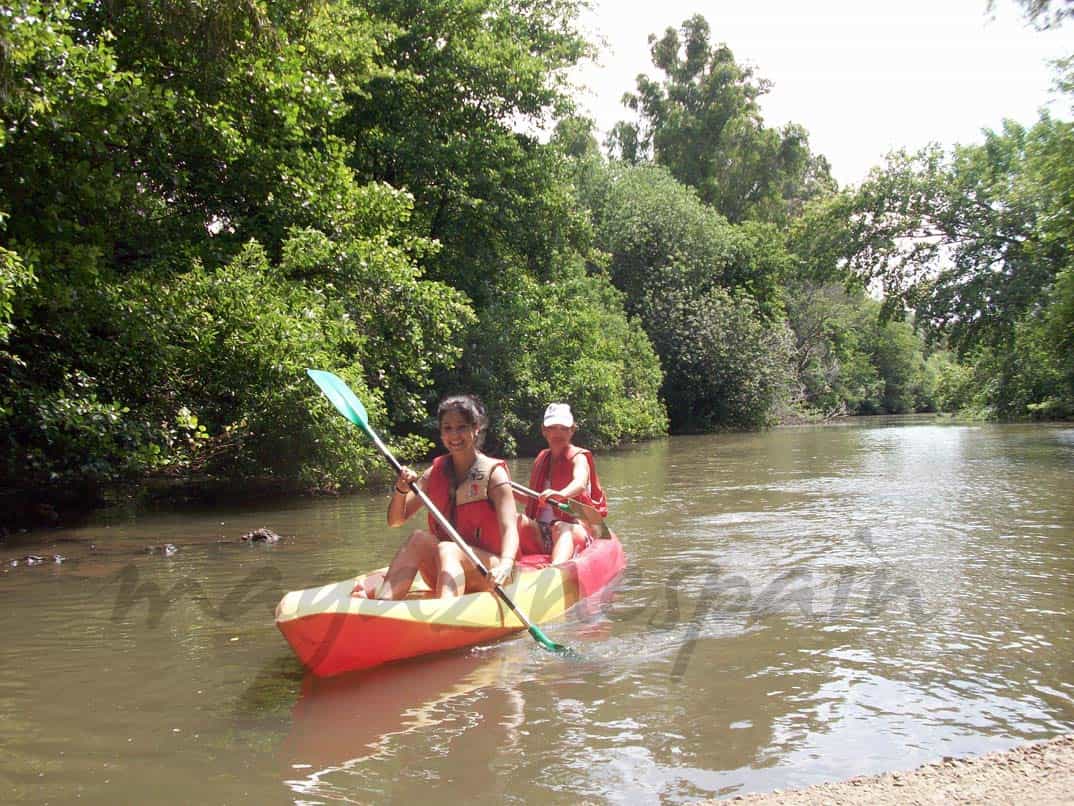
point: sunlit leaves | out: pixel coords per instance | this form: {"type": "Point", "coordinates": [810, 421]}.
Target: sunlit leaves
{"type": "Point", "coordinates": [460, 80]}
{"type": "Point", "coordinates": [566, 339]}
{"type": "Point", "coordinates": [968, 240]}
{"type": "Point", "coordinates": [702, 122]}
{"type": "Point", "coordinates": [14, 275]}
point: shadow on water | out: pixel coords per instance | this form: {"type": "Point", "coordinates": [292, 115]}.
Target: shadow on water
{"type": "Point", "coordinates": [267, 700]}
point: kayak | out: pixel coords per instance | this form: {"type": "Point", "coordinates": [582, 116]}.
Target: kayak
{"type": "Point", "coordinates": [333, 632]}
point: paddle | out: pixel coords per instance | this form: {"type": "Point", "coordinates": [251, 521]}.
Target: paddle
{"type": "Point", "coordinates": [351, 407]}
{"type": "Point", "coordinates": [576, 508]}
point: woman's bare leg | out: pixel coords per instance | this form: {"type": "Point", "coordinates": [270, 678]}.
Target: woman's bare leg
{"type": "Point", "coordinates": [458, 575]}
{"type": "Point", "coordinates": [451, 581]}
{"type": "Point", "coordinates": [418, 553]}
{"type": "Point", "coordinates": [566, 537]}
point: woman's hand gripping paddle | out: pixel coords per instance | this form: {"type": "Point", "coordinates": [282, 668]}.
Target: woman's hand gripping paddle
{"type": "Point", "coordinates": [351, 407]}
{"type": "Point", "coordinates": [583, 512]}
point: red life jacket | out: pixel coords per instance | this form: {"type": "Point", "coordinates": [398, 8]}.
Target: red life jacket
{"type": "Point", "coordinates": [562, 475]}
{"type": "Point", "coordinates": [471, 512]}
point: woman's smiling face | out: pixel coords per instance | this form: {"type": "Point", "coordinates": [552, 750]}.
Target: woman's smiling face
{"type": "Point", "coordinates": [457, 433]}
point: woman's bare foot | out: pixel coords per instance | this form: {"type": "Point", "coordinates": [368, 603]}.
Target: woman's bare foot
{"type": "Point", "coordinates": [367, 587]}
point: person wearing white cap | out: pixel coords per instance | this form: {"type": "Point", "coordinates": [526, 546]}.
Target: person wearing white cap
{"type": "Point", "coordinates": [561, 471]}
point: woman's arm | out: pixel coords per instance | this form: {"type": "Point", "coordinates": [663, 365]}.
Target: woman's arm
{"type": "Point", "coordinates": [579, 477]}
{"type": "Point", "coordinates": [507, 514]}
{"type": "Point", "coordinates": [402, 506]}
{"type": "Point", "coordinates": [579, 482]}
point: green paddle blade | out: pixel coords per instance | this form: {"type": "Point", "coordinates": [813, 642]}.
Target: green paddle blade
{"type": "Point", "coordinates": [341, 396]}
{"type": "Point", "coordinates": [549, 644]}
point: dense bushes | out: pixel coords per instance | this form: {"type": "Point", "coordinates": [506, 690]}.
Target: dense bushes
{"type": "Point", "coordinates": [729, 368]}
{"type": "Point", "coordinates": [706, 292]}
{"type": "Point", "coordinates": [197, 203]}
{"type": "Point", "coordinates": [204, 370]}
{"type": "Point", "coordinates": [564, 340]}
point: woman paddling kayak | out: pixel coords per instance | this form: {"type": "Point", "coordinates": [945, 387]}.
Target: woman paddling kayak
{"type": "Point", "coordinates": [473, 490]}
{"type": "Point", "coordinates": [561, 471]}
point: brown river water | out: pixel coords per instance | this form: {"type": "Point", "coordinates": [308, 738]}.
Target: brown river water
{"type": "Point", "coordinates": [801, 605]}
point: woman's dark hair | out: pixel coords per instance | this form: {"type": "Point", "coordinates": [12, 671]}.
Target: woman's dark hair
{"type": "Point", "coordinates": [472, 410]}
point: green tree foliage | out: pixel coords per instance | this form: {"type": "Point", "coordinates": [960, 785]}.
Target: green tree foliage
{"type": "Point", "coordinates": [703, 122]}
{"type": "Point", "coordinates": [1059, 327]}
{"type": "Point", "coordinates": [14, 275]}
{"type": "Point", "coordinates": [973, 242]}
{"type": "Point", "coordinates": [145, 144]}
{"type": "Point", "coordinates": [160, 120]}
{"type": "Point", "coordinates": [706, 292]}
{"type": "Point", "coordinates": [1043, 14]}
{"type": "Point", "coordinates": [849, 360]}
{"type": "Point", "coordinates": [1034, 377]}
{"type": "Point", "coordinates": [234, 344]}
{"type": "Point", "coordinates": [896, 353]}
{"type": "Point", "coordinates": [413, 327]}
{"type": "Point", "coordinates": [850, 357]}
{"type": "Point", "coordinates": [970, 241]}
{"type": "Point", "coordinates": [227, 350]}
{"type": "Point", "coordinates": [831, 361]}
{"type": "Point", "coordinates": [565, 339]}
{"type": "Point", "coordinates": [203, 370]}
{"type": "Point", "coordinates": [199, 200]}
{"type": "Point", "coordinates": [576, 137]}
{"type": "Point", "coordinates": [440, 118]}
{"type": "Point", "coordinates": [660, 235]}
{"type": "Point", "coordinates": [726, 367]}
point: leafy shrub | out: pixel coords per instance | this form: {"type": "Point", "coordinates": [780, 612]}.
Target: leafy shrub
{"type": "Point", "coordinates": [564, 340]}
{"type": "Point", "coordinates": [725, 366]}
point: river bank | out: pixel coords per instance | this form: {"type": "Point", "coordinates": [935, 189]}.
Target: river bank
{"type": "Point", "coordinates": [1039, 774]}
{"type": "Point", "coordinates": [42, 508]}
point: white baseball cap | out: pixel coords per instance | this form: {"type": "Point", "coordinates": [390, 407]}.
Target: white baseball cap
{"type": "Point", "coordinates": [558, 414]}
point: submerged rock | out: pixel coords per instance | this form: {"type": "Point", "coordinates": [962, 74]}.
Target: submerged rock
{"type": "Point", "coordinates": [29, 559]}
{"type": "Point", "coordinates": [261, 535]}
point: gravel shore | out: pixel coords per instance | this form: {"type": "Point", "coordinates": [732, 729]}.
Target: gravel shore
{"type": "Point", "coordinates": [1040, 774]}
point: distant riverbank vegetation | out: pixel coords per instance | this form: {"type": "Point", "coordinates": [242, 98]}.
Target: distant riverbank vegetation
{"type": "Point", "coordinates": [200, 200]}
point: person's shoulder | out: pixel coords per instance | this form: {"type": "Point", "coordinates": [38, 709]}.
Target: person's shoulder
{"type": "Point", "coordinates": [494, 469]}
{"type": "Point", "coordinates": [491, 463]}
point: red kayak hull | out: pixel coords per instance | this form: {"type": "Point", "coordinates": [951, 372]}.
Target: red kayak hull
{"type": "Point", "coordinates": [332, 632]}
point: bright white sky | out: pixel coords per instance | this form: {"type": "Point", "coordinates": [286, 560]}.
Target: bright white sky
{"type": "Point", "coordinates": [862, 76]}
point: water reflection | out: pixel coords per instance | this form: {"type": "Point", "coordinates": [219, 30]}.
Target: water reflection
{"type": "Point", "coordinates": [341, 722]}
